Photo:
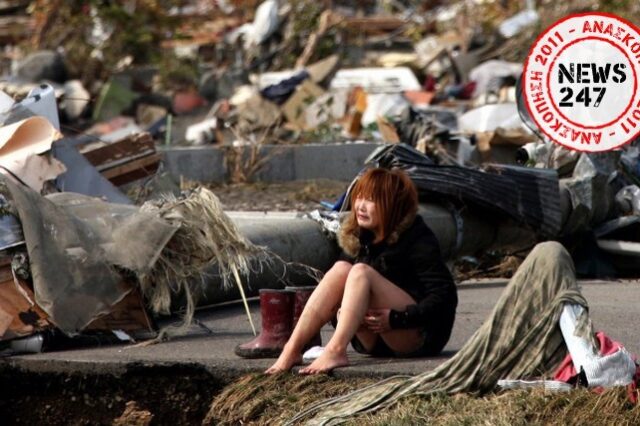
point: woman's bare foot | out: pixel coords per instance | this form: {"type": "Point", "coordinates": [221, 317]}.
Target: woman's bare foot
{"type": "Point", "coordinates": [326, 362]}
{"type": "Point", "coordinates": [285, 362]}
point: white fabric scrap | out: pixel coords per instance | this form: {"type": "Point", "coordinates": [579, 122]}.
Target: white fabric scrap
{"type": "Point", "coordinates": [550, 385]}
{"type": "Point", "coordinates": [616, 369]}
{"type": "Point", "coordinates": [312, 353]}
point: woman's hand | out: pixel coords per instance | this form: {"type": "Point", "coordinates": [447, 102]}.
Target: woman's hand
{"type": "Point", "coordinates": [377, 320]}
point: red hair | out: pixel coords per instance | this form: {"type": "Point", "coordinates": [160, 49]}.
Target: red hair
{"type": "Point", "coordinates": [392, 191]}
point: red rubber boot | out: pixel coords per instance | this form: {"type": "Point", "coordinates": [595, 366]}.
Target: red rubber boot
{"type": "Point", "coordinates": [275, 311]}
{"type": "Point", "coordinates": [300, 298]}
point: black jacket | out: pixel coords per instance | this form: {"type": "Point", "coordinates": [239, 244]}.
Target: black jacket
{"type": "Point", "coordinates": [413, 262]}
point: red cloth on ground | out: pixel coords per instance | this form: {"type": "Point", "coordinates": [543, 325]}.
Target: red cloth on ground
{"type": "Point", "coordinates": [566, 371]}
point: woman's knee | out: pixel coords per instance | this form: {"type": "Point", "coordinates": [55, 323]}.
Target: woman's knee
{"type": "Point", "coordinates": [360, 271]}
{"type": "Point", "coordinates": [341, 267]}
{"type": "Point", "coordinates": [336, 276]}
{"type": "Point", "coordinates": [338, 272]}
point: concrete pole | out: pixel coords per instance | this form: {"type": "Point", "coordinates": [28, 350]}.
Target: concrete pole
{"type": "Point", "coordinates": [302, 240]}
{"type": "Point", "coordinates": [297, 240]}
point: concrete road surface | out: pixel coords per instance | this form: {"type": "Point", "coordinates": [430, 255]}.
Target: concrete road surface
{"type": "Point", "coordinates": [613, 306]}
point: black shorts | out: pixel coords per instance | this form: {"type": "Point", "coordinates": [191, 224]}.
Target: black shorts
{"type": "Point", "coordinates": [430, 346]}
{"type": "Point", "coordinates": [382, 350]}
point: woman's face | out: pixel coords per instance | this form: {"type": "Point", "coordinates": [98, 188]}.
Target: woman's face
{"type": "Point", "coordinates": [367, 214]}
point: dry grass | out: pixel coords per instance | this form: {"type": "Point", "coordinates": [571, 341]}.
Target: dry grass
{"type": "Point", "coordinates": [261, 400]}
{"type": "Point", "coordinates": [487, 266]}
{"type": "Point", "coordinates": [265, 400]}
{"type": "Point", "coordinates": [205, 236]}
{"type": "Point", "coordinates": [522, 407]}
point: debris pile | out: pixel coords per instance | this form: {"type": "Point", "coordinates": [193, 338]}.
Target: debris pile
{"type": "Point", "coordinates": [94, 92]}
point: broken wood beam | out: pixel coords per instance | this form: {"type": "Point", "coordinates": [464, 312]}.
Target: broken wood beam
{"type": "Point", "coordinates": [129, 159]}
{"type": "Point", "coordinates": [133, 170]}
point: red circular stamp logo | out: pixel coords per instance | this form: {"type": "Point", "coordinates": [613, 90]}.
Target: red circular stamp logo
{"type": "Point", "coordinates": [580, 82]}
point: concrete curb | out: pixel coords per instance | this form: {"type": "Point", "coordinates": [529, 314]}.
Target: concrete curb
{"type": "Point", "coordinates": [340, 161]}
{"type": "Point", "coordinates": [223, 373]}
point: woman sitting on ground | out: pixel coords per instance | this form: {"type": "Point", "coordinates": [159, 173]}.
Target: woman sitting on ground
{"type": "Point", "coordinates": [391, 290]}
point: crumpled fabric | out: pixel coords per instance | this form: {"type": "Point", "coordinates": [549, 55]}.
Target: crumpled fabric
{"type": "Point", "coordinates": [280, 92]}
{"type": "Point", "coordinates": [613, 365]}
{"type": "Point", "coordinates": [78, 249]}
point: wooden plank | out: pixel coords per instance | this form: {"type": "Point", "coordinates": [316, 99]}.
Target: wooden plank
{"type": "Point", "coordinates": [133, 170]}
{"type": "Point", "coordinates": [125, 160]}
{"type": "Point", "coordinates": [131, 146]}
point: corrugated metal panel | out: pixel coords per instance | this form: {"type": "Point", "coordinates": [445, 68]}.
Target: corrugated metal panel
{"type": "Point", "coordinates": [530, 196]}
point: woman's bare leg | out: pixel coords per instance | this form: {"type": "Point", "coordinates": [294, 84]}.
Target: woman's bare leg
{"type": "Point", "coordinates": [320, 307]}
{"type": "Point", "coordinates": [364, 288]}
{"type": "Point", "coordinates": [390, 296]}
{"type": "Point", "coordinates": [366, 337]}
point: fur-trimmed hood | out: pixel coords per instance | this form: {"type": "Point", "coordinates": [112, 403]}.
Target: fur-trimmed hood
{"type": "Point", "coordinates": [350, 242]}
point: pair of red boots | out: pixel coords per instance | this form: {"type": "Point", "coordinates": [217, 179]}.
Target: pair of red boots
{"type": "Point", "coordinates": [280, 311]}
